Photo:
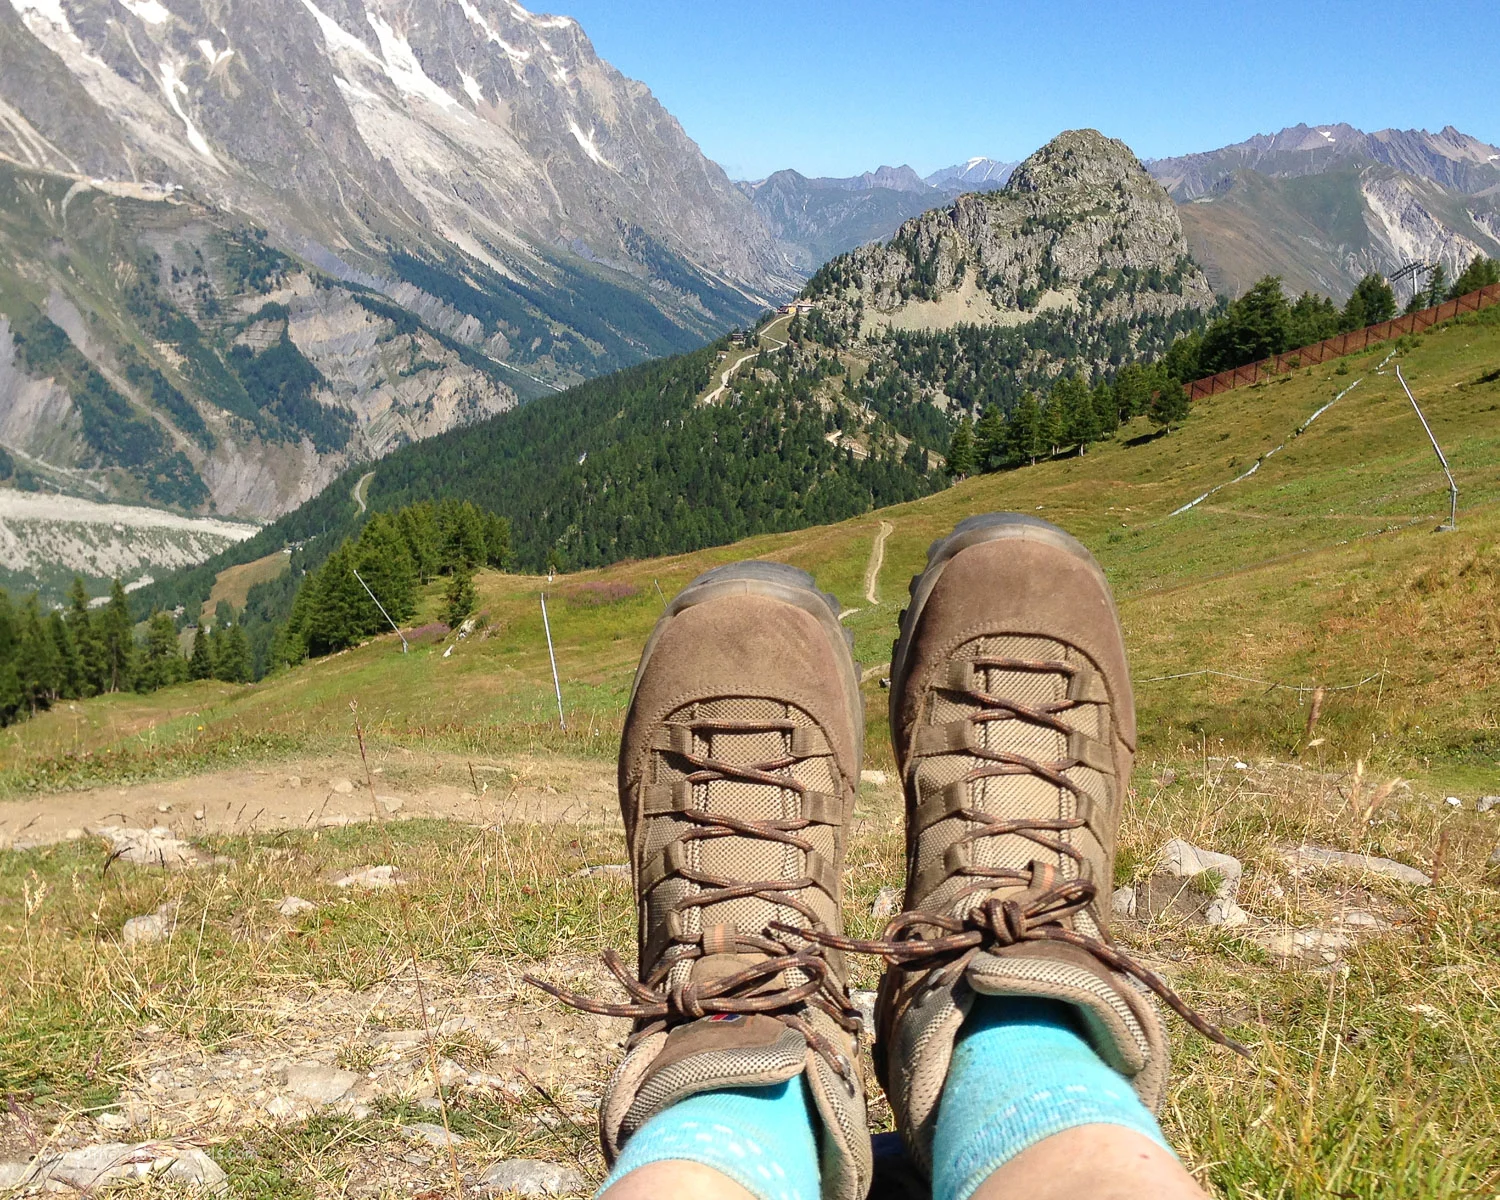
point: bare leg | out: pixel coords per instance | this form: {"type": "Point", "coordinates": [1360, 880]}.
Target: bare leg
{"type": "Point", "coordinates": [677, 1181]}
{"type": "Point", "coordinates": [1090, 1162]}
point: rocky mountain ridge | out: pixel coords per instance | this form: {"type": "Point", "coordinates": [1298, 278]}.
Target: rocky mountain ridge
{"type": "Point", "coordinates": [1079, 226]}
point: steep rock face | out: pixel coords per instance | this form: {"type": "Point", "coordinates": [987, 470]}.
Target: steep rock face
{"type": "Point", "coordinates": [1325, 232]}
{"type": "Point", "coordinates": [480, 123]}
{"type": "Point", "coordinates": [1076, 213]}
{"type": "Point", "coordinates": [1449, 158]}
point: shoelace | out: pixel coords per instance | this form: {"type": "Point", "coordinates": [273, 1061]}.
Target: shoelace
{"type": "Point", "coordinates": [1036, 913]}
{"type": "Point", "coordinates": [662, 1006]}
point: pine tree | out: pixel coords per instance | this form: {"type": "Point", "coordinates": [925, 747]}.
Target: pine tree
{"type": "Point", "coordinates": [1080, 423]}
{"type": "Point", "coordinates": [161, 662]}
{"type": "Point", "coordinates": [337, 605]}
{"type": "Point", "coordinates": [1481, 272]}
{"type": "Point", "coordinates": [497, 539]}
{"type": "Point", "coordinates": [36, 659]}
{"type": "Point", "coordinates": [201, 662]}
{"type": "Point", "coordinates": [459, 598]}
{"type": "Point", "coordinates": [233, 657]}
{"type": "Point", "coordinates": [989, 440]}
{"type": "Point", "coordinates": [1256, 326]}
{"type": "Point", "coordinates": [1170, 405]}
{"type": "Point", "coordinates": [84, 627]}
{"type": "Point", "coordinates": [117, 641]}
{"type": "Point", "coordinates": [384, 563]}
{"type": "Point", "coordinates": [1024, 431]}
{"type": "Point", "coordinates": [1437, 287]}
{"type": "Point", "coordinates": [1371, 302]}
{"type": "Point", "coordinates": [70, 680]}
{"type": "Point", "coordinates": [961, 449]}
{"type": "Point", "coordinates": [1105, 411]}
{"type": "Point", "coordinates": [419, 530]}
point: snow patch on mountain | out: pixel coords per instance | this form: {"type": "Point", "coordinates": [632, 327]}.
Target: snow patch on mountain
{"type": "Point", "coordinates": [153, 12]}
{"type": "Point", "coordinates": [211, 56]}
{"type": "Point", "coordinates": [171, 86]}
{"type": "Point", "coordinates": [402, 67]}
{"type": "Point", "coordinates": [586, 140]}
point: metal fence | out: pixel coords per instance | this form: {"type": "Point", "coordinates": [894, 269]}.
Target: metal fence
{"type": "Point", "coordinates": [1344, 343]}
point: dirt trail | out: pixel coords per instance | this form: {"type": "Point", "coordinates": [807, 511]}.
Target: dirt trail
{"type": "Point", "coordinates": [324, 792]}
{"type": "Point", "coordinates": [877, 560]}
{"type": "Point", "coordinates": [359, 489]}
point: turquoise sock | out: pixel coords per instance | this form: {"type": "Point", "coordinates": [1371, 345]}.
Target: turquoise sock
{"type": "Point", "coordinates": [1021, 1072]}
{"type": "Point", "coordinates": [762, 1138]}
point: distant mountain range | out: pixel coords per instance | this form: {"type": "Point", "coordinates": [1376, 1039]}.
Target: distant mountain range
{"type": "Point", "coordinates": [245, 246]}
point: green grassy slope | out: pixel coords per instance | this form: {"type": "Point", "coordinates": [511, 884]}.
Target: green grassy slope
{"type": "Point", "coordinates": [1320, 568]}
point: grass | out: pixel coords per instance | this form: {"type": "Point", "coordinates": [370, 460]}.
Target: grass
{"type": "Point", "coordinates": [1370, 1079]}
{"type": "Point", "coordinates": [234, 583]}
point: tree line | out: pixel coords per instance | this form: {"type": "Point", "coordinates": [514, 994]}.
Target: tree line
{"type": "Point", "coordinates": [78, 651]}
{"type": "Point", "coordinates": [1263, 322]}
{"type": "Point", "coordinates": [393, 556]}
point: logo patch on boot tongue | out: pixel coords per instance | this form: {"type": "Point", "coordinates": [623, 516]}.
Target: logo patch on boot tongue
{"type": "Point", "coordinates": [727, 1017]}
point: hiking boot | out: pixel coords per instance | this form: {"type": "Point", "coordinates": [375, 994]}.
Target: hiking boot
{"type": "Point", "coordinates": [738, 770]}
{"type": "Point", "coordinates": [1014, 731]}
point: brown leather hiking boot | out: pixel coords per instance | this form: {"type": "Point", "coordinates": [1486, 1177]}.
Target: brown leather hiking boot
{"type": "Point", "coordinates": [738, 770]}
{"type": "Point", "coordinates": [1014, 730]}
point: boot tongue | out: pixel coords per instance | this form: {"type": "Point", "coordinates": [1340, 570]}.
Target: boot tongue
{"type": "Point", "coordinates": [717, 1052]}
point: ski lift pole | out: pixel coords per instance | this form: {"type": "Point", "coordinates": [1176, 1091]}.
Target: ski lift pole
{"type": "Point", "coordinates": [1452, 486]}
{"type": "Point", "coordinates": [556, 686]}
{"type": "Point", "coordinates": [383, 613]}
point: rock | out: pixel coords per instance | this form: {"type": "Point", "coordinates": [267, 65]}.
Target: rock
{"type": "Point", "coordinates": [153, 927]}
{"type": "Point", "coordinates": [399, 1037]}
{"type": "Point", "coordinates": [530, 1177]}
{"type": "Point", "coordinates": [1325, 945]}
{"type": "Point", "coordinates": [1454, 802]}
{"type": "Point", "coordinates": [873, 778]}
{"type": "Point", "coordinates": [450, 1074]}
{"type": "Point", "coordinates": [391, 804]}
{"type": "Point", "coordinates": [430, 1104]}
{"type": "Point", "coordinates": [458, 1025]}
{"type": "Point", "coordinates": [619, 870]}
{"type": "Point", "coordinates": [280, 1108]}
{"type": "Point", "coordinates": [865, 1002]}
{"type": "Point", "coordinates": [314, 1082]}
{"type": "Point", "coordinates": [887, 902]}
{"type": "Point", "coordinates": [294, 781]}
{"type": "Point", "coordinates": [1241, 766]}
{"type": "Point", "coordinates": [163, 807]}
{"type": "Point", "coordinates": [1495, 857]}
{"type": "Point", "coordinates": [199, 814]}
{"type": "Point", "coordinates": [74, 834]}
{"type": "Point", "coordinates": [371, 877]}
{"type": "Point", "coordinates": [1167, 778]}
{"type": "Point", "coordinates": [342, 787]}
{"type": "Point", "coordinates": [1226, 913]}
{"type": "Point", "coordinates": [1314, 856]}
{"type": "Point", "coordinates": [1186, 861]}
{"type": "Point", "coordinates": [1486, 803]}
{"type": "Point", "coordinates": [295, 906]}
{"type": "Point", "coordinates": [92, 1167]}
{"type": "Point", "coordinates": [433, 1135]}
{"type": "Point", "coordinates": [1122, 902]}
{"type": "Point", "coordinates": [154, 847]}
{"type": "Point", "coordinates": [1359, 918]}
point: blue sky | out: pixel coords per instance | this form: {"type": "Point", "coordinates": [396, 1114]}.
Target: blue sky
{"type": "Point", "coordinates": [834, 87]}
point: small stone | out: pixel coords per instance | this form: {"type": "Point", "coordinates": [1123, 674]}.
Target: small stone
{"type": "Point", "coordinates": [391, 804]}
{"type": "Point", "coordinates": [154, 847]}
{"type": "Point", "coordinates": [1304, 856]}
{"type": "Point", "coordinates": [430, 1104]}
{"type": "Point", "coordinates": [1359, 918]}
{"type": "Point", "coordinates": [1289, 945]}
{"type": "Point", "coordinates": [295, 906]}
{"type": "Point", "coordinates": [1486, 803]}
{"type": "Point", "coordinates": [887, 902]}
{"type": "Point", "coordinates": [1122, 902]}
{"type": "Point", "coordinates": [618, 870]}
{"type": "Point", "coordinates": [73, 835]}
{"type": "Point", "coordinates": [433, 1135]}
{"type": "Point", "coordinates": [153, 927]}
{"type": "Point", "coordinates": [1225, 913]}
{"type": "Point", "coordinates": [873, 778]}
{"type": "Point", "coordinates": [450, 1074]}
{"type": "Point", "coordinates": [199, 814]}
{"type": "Point", "coordinates": [1185, 860]}
{"type": "Point", "coordinates": [280, 1108]}
{"type": "Point", "coordinates": [1168, 778]}
{"type": "Point", "coordinates": [1454, 802]}
{"type": "Point", "coordinates": [294, 781]}
{"type": "Point", "coordinates": [458, 1025]}
{"type": "Point", "coordinates": [341, 786]}
{"type": "Point", "coordinates": [530, 1177]}
{"type": "Point", "coordinates": [319, 1084]}
{"type": "Point", "coordinates": [1241, 766]}
{"type": "Point", "coordinates": [1495, 857]}
{"type": "Point", "coordinates": [864, 1001]}
{"type": "Point", "coordinates": [371, 877]}
{"type": "Point", "coordinates": [113, 1122]}
{"type": "Point", "coordinates": [163, 807]}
